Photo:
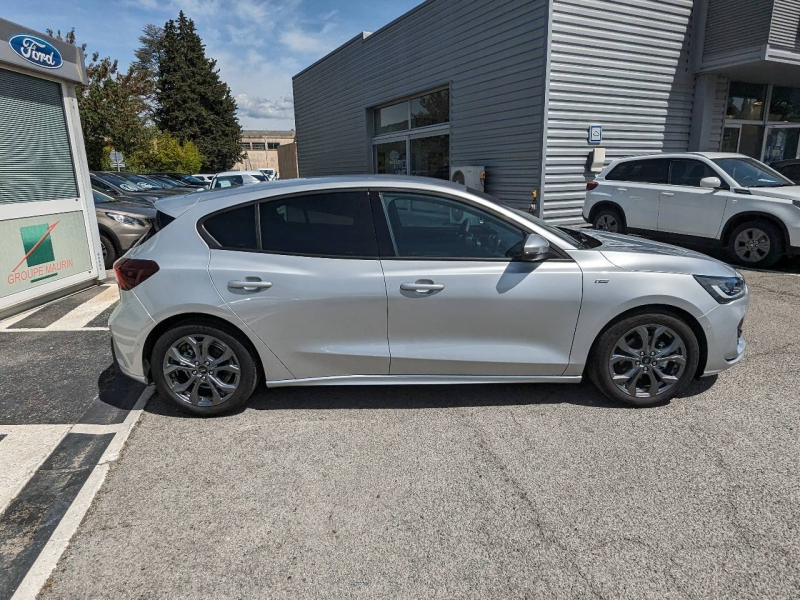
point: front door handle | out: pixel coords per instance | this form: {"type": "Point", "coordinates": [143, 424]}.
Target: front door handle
{"type": "Point", "coordinates": [622, 189]}
{"type": "Point", "coordinates": [250, 286]}
{"type": "Point", "coordinates": [667, 194]}
{"type": "Point", "coordinates": [422, 287]}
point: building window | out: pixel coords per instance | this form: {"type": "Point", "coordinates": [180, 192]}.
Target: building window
{"type": "Point", "coordinates": [244, 145]}
{"type": "Point", "coordinates": [259, 146]}
{"type": "Point", "coordinates": [273, 145]}
{"type": "Point", "coordinates": [762, 121]}
{"type": "Point", "coordinates": [746, 101]}
{"type": "Point", "coordinates": [785, 105]}
{"type": "Point", "coordinates": [412, 137]}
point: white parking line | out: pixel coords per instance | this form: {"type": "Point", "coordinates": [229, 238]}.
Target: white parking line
{"type": "Point", "coordinates": [22, 452]}
{"type": "Point", "coordinates": [48, 558]}
{"type": "Point", "coordinates": [81, 316]}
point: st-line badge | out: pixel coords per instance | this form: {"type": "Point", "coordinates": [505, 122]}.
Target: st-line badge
{"type": "Point", "coordinates": [36, 51]}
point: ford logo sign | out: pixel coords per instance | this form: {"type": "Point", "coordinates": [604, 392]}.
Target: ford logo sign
{"type": "Point", "coordinates": [36, 51]}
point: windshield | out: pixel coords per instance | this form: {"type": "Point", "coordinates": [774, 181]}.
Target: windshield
{"type": "Point", "coordinates": [145, 184]}
{"type": "Point", "coordinates": [189, 179]}
{"type": "Point", "coordinates": [118, 181]}
{"type": "Point", "coordinates": [100, 198]}
{"type": "Point", "coordinates": [168, 180]}
{"type": "Point", "coordinates": [748, 172]}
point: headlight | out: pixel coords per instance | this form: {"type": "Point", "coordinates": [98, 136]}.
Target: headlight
{"type": "Point", "coordinates": [723, 289]}
{"type": "Point", "coordinates": [124, 219]}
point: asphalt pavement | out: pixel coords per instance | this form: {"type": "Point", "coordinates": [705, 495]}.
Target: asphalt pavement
{"type": "Point", "coordinates": [464, 491]}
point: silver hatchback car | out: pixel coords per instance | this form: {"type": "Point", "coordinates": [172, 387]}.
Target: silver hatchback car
{"type": "Point", "coordinates": [401, 280]}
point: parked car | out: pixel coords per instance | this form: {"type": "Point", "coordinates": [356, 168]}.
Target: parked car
{"type": "Point", "coordinates": [188, 180]}
{"type": "Point", "coordinates": [121, 224]}
{"type": "Point", "coordinates": [320, 282]}
{"type": "Point", "coordinates": [236, 178]}
{"type": "Point", "coordinates": [121, 188]}
{"type": "Point", "coordinates": [145, 183]}
{"type": "Point", "coordinates": [716, 197]}
{"type": "Point", "coordinates": [270, 174]}
{"type": "Point", "coordinates": [789, 168]}
{"type": "Point", "coordinates": [206, 178]}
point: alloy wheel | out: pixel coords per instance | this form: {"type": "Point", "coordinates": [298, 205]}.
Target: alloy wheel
{"type": "Point", "coordinates": [648, 361]}
{"type": "Point", "coordinates": [607, 223]}
{"type": "Point", "coordinates": [201, 370]}
{"type": "Point", "coordinates": [752, 245]}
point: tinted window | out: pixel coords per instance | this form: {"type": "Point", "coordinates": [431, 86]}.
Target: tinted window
{"type": "Point", "coordinates": [689, 172]}
{"type": "Point", "coordinates": [235, 228]}
{"type": "Point", "coordinates": [746, 101]}
{"type": "Point", "coordinates": [332, 224]}
{"type": "Point", "coordinates": [641, 171]}
{"type": "Point", "coordinates": [431, 109]}
{"type": "Point", "coordinates": [792, 172]}
{"type": "Point", "coordinates": [430, 227]}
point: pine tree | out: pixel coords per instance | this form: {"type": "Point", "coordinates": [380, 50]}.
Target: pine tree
{"type": "Point", "coordinates": [193, 104]}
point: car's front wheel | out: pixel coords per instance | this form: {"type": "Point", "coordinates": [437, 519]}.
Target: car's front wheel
{"type": "Point", "coordinates": [756, 244]}
{"type": "Point", "coordinates": [204, 369]}
{"type": "Point", "coordinates": [645, 359]}
{"type": "Point", "coordinates": [109, 251]}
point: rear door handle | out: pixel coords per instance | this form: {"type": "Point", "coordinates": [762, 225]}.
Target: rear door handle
{"type": "Point", "coordinates": [250, 286]}
{"type": "Point", "coordinates": [421, 287]}
{"type": "Point", "coordinates": [622, 189]}
{"type": "Point", "coordinates": [667, 194]}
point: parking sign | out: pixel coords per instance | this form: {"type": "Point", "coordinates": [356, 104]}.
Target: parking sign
{"type": "Point", "coordinates": [595, 134]}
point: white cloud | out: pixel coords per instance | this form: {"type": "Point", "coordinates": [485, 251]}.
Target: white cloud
{"type": "Point", "coordinates": [263, 108]}
{"type": "Point", "coordinates": [305, 41]}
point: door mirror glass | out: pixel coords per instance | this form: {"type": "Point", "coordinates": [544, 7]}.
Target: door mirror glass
{"type": "Point", "coordinates": [535, 248]}
{"type": "Point", "coordinates": [710, 182]}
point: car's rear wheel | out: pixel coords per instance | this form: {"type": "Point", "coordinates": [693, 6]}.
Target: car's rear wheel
{"type": "Point", "coordinates": [756, 244]}
{"type": "Point", "coordinates": [204, 369]}
{"type": "Point", "coordinates": [609, 219]}
{"type": "Point", "coordinates": [645, 359]}
{"type": "Point", "coordinates": [109, 251]}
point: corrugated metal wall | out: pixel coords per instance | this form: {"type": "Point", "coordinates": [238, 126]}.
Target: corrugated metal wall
{"type": "Point", "coordinates": [623, 64]}
{"type": "Point", "coordinates": [785, 29]}
{"type": "Point", "coordinates": [720, 104]}
{"type": "Point", "coordinates": [734, 25]}
{"type": "Point", "coordinates": [491, 53]}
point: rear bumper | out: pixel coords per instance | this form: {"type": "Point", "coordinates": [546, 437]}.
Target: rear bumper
{"type": "Point", "coordinates": [130, 324]}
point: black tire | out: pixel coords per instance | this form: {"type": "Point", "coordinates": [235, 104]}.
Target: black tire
{"type": "Point", "coordinates": [248, 371]}
{"type": "Point", "coordinates": [599, 368]}
{"type": "Point", "coordinates": [609, 219]}
{"type": "Point", "coordinates": [109, 251]}
{"type": "Point", "coordinates": [771, 234]}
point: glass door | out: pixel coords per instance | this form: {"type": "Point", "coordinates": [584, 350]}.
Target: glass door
{"type": "Point", "coordinates": [781, 142]}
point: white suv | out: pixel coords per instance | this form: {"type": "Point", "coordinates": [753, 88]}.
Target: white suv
{"type": "Point", "coordinates": [730, 199]}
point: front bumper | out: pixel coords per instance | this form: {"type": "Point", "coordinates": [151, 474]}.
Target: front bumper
{"type": "Point", "coordinates": [726, 343]}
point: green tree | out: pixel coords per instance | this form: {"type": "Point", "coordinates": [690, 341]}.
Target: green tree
{"type": "Point", "coordinates": [193, 104]}
{"type": "Point", "coordinates": [112, 106]}
{"type": "Point", "coordinates": [165, 153]}
{"type": "Point", "coordinates": [148, 57]}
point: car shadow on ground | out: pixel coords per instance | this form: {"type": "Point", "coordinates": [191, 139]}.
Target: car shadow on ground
{"type": "Point", "coordinates": [418, 397]}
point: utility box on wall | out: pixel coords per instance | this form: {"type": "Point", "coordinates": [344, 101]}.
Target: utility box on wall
{"type": "Point", "coordinates": [48, 228]}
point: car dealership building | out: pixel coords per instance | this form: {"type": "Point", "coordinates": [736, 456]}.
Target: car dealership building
{"type": "Point", "coordinates": [539, 94]}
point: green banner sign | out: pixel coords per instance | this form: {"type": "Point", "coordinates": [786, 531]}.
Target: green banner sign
{"type": "Point", "coordinates": [38, 250]}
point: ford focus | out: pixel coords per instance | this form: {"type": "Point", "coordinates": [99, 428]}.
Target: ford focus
{"type": "Point", "coordinates": [401, 280]}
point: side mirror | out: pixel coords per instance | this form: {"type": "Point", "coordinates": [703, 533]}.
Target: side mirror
{"type": "Point", "coordinates": [711, 182]}
{"type": "Point", "coordinates": [535, 248]}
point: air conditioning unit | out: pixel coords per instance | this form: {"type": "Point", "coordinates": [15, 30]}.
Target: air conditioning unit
{"type": "Point", "coordinates": [472, 177]}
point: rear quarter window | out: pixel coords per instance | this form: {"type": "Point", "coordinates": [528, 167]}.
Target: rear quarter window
{"type": "Point", "coordinates": [234, 229]}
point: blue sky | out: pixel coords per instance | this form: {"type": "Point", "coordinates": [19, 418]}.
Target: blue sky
{"type": "Point", "coordinates": [259, 44]}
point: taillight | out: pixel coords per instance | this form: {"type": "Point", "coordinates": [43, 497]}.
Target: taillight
{"type": "Point", "coordinates": [590, 185]}
{"type": "Point", "coordinates": [131, 272]}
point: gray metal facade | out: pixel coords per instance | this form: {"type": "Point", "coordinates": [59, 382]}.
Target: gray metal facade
{"type": "Point", "coordinates": [623, 65]}
{"type": "Point", "coordinates": [491, 54]}
{"type": "Point", "coordinates": [785, 24]}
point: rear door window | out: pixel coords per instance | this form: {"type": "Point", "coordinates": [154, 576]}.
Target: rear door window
{"type": "Point", "coordinates": [332, 224]}
{"type": "Point", "coordinates": [654, 170]}
{"type": "Point", "coordinates": [688, 172]}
